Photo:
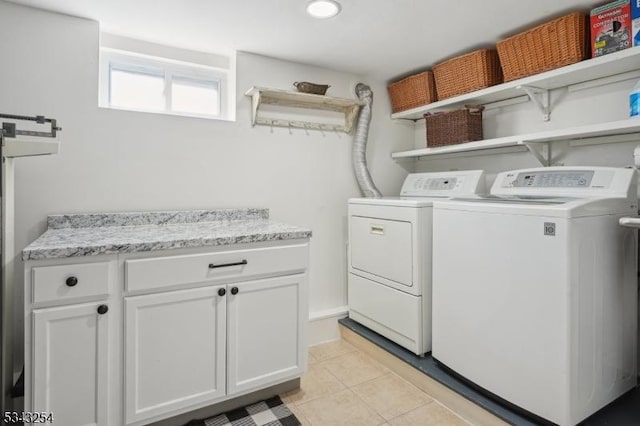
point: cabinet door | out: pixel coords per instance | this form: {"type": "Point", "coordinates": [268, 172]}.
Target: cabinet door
{"type": "Point", "coordinates": [174, 351]}
{"type": "Point", "coordinates": [70, 369]}
{"type": "Point", "coordinates": [266, 329]}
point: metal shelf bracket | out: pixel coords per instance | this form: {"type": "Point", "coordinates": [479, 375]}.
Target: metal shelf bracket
{"type": "Point", "coordinates": [542, 152]}
{"type": "Point", "coordinates": [541, 98]}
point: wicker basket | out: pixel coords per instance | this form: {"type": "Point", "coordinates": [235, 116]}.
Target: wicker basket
{"type": "Point", "coordinates": [412, 92]}
{"type": "Point", "coordinates": [466, 73]}
{"type": "Point", "coordinates": [448, 128]}
{"type": "Point", "coordinates": [554, 44]}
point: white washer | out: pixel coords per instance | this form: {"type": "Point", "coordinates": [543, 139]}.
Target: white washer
{"type": "Point", "coordinates": [390, 256]}
{"type": "Point", "coordinates": [535, 291]}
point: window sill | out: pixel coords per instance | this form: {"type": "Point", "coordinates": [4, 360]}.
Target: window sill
{"type": "Point", "coordinates": [170, 113]}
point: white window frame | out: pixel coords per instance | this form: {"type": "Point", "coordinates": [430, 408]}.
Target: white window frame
{"type": "Point", "coordinates": [169, 69]}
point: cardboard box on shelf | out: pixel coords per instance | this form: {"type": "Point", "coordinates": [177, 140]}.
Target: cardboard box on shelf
{"type": "Point", "coordinates": [611, 27]}
{"type": "Point", "coordinates": [635, 21]}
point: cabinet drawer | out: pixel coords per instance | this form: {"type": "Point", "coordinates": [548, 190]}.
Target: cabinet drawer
{"type": "Point", "coordinates": [68, 282]}
{"type": "Point", "coordinates": [223, 266]}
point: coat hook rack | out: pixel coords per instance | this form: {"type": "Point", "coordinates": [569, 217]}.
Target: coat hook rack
{"type": "Point", "coordinates": [347, 109]}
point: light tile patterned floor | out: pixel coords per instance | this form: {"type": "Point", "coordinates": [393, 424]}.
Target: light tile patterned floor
{"type": "Point", "coordinates": [347, 387]}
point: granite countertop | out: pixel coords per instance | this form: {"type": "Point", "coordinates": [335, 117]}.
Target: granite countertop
{"type": "Point", "coordinates": [109, 233]}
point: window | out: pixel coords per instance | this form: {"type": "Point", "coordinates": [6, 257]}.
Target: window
{"type": "Point", "coordinates": [195, 96]}
{"type": "Point", "coordinates": [137, 82]}
{"type": "Point", "coordinates": [141, 89]}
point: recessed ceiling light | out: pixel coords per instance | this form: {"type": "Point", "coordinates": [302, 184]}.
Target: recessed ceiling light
{"type": "Point", "coordinates": [323, 9]}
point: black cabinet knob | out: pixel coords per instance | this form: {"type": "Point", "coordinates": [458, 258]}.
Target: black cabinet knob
{"type": "Point", "coordinates": [103, 309]}
{"type": "Point", "coordinates": [234, 290]}
{"type": "Point", "coordinates": [71, 281]}
{"type": "Point", "coordinates": [222, 292]}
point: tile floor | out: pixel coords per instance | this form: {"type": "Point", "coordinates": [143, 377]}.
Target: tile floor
{"type": "Point", "coordinates": [347, 387]}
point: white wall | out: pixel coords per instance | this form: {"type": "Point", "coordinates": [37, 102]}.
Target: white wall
{"type": "Point", "coordinates": [123, 161]}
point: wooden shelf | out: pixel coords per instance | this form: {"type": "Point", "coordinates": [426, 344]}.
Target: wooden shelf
{"type": "Point", "coordinates": [615, 128]}
{"type": "Point", "coordinates": [463, 147]}
{"type": "Point", "coordinates": [592, 69]}
{"type": "Point", "coordinates": [286, 98]}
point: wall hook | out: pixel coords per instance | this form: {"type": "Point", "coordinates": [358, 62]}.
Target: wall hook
{"type": "Point", "coordinates": [271, 126]}
{"type": "Point", "coordinates": [290, 132]}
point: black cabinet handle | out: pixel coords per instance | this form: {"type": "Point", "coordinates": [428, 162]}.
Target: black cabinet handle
{"type": "Point", "coordinates": [71, 281]}
{"type": "Point", "coordinates": [103, 309]}
{"type": "Point", "coordinates": [234, 290]}
{"type": "Point", "coordinates": [222, 292]}
{"type": "Point", "coordinates": [224, 265]}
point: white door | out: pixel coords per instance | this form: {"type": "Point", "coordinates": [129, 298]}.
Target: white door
{"type": "Point", "coordinates": [265, 331]}
{"type": "Point", "coordinates": [383, 248]}
{"type": "Point", "coordinates": [70, 369]}
{"type": "Point", "coordinates": [174, 351]}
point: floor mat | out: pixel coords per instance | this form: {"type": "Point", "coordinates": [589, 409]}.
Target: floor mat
{"type": "Point", "coordinates": [270, 412]}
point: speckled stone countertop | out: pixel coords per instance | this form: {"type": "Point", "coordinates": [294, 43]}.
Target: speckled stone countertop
{"type": "Point", "coordinates": [108, 233]}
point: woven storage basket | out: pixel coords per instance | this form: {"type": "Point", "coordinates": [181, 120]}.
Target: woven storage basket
{"type": "Point", "coordinates": [466, 73]}
{"type": "Point", "coordinates": [448, 128]}
{"type": "Point", "coordinates": [412, 92]}
{"type": "Point", "coordinates": [554, 44]}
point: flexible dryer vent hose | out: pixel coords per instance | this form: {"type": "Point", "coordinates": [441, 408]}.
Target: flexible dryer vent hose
{"type": "Point", "coordinates": [359, 159]}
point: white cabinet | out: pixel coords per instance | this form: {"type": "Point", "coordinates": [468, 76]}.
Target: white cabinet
{"type": "Point", "coordinates": [183, 329]}
{"type": "Point", "coordinates": [183, 348]}
{"type": "Point", "coordinates": [70, 368]}
{"type": "Point", "coordinates": [174, 351]}
{"type": "Point", "coordinates": [265, 340]}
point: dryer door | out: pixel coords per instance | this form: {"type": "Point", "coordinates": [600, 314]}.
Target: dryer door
{"type": "Point", "coordinates": [383, 248]}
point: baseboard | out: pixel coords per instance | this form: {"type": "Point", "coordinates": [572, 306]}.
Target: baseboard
{"type": "Point", "coordinates": [323, 325]}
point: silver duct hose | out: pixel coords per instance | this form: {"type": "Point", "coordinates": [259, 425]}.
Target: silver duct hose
{"type": "Point", "coordinates": [359, 153]}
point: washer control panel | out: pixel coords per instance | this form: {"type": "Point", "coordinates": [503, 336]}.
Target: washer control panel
{"type": "Point", "coordinates": [568, 182]}
{"type": "Point", "coordinates": [557, 179]}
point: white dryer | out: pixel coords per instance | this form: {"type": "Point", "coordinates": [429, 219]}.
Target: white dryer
{"type": "Point", "coordinates": [535, 289]}
{"type": "Point", "coordinates": [389, 256]}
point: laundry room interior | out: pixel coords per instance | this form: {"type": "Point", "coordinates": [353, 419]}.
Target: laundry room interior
{"type": "Point", "coordinates": [319, 212]}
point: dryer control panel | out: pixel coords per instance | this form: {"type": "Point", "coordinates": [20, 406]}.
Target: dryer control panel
{"type": "Point", "coordinates": [434, 184]}
{"type": "Point", "coordinates": [444, 184]}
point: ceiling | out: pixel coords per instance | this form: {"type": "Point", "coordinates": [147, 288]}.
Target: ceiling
{"type": "Point", "coordinates": [383, 38]}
